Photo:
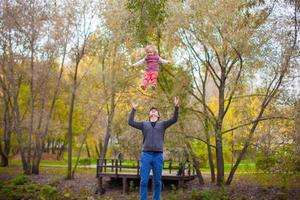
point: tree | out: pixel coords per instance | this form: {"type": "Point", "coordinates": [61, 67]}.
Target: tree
{"type": "Point", "coordinates": [220, 40]}
{"type": "Point", "coordinates": [146, 19]}
{"type": "Point", "coordinates": [82, 24]}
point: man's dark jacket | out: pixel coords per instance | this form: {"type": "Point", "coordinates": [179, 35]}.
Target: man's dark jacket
{"type": "Point", "coordinates": [153, 136]}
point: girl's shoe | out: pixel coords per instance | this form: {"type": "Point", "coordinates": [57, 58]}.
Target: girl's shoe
{"type": "Point", "coordinates": [143, 87]}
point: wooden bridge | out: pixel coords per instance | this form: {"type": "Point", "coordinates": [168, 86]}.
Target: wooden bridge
{"type": "Point", "coordinates": [129, 170]}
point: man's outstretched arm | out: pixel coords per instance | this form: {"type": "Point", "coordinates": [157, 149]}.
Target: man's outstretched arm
{"type": "Point", "coordinates": [174, 119]}
{"type": "Point", "coordinates": [131, 122]}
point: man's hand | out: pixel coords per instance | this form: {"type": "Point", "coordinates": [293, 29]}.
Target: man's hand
{"type": "Point", "coordinates": [176, 101]}
{"type": "Point", "coordinates": [134, 105]}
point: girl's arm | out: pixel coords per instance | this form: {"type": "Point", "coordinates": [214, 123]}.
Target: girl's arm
{"type": "Point", "coordinates": [138, 63]}
{"type": "Point", "coordinates": [163, 61]}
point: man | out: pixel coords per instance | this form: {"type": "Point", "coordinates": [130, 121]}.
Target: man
{"type": "Point", "coordinates": [152, 154]}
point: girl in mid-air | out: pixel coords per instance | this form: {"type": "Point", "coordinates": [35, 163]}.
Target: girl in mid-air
{"type": "Point", "coordinates": [152, 60]}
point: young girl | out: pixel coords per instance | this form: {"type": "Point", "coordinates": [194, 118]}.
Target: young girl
{"type": "Point", "coordinates": [152, 60]}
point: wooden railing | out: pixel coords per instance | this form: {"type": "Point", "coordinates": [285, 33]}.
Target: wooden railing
{"type": "Point", "coordinates": [116, 166]}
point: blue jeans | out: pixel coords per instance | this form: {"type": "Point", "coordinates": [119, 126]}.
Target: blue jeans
{"type": "Point", "coordinates": [154, 161]}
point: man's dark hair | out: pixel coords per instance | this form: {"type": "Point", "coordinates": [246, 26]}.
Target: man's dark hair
{"type": "Point", "coordinates": [154, 108]}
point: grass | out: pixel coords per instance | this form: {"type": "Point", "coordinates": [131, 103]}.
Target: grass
{"type": "Point", "coordinates": [261, 178]}
{"type": "Point", "coordinates": [244, 167]}
{"type": "Point", "coordinates": [271, 179]}
{"type": "Point", "coordinates": [16, 169]}
{"type": "Point", "coordinates": [43, 162]}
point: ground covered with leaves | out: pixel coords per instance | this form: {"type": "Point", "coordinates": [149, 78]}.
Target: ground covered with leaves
{"type": "Point", "coordinates": [51, 184]}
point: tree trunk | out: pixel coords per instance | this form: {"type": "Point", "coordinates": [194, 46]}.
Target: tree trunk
{"type": "Point", "coordinates": [218, 130]}
{"type": "Point", "coordinates": [70, 121]}
{"type": "Point", "coordinates": [60, 152]}
{"type": "Point", "coordinates": [195, 164]}
{"type": "Point", "coordinates": [106, 138]}
{"type": "Point", "coordinates": [206, 127]}
{"type": "Point", "coordinates": [53, 146]}
{"type": "Point", "coordinates": [48, 146]}
{"type": "Point", "coordinates": [42, 135]}
{"type": "Point", "coordinates": [56, 143]}
{"type": "Point", "coordinates": [297, 128]}
{"type": "Point", "coordinates": [88, 129]}
{"type": "Point", "coordinates": [98, 149]}
{"type": "Point", "coordinates": [110, 117]}
{"type": "Point", "coordinates": [7, 134]}
{"type": "Point", "coordinates": [206, 132]}
{"type": "Point", "coordinates": [17, 126]}
{"type": "Point", "coordinates": [70, 135]}
{"type": "Point", "coordinates": [87, 150]}
{"type": "Point", "coordinates": [31, 105]}
{"type": "Point", "coordinates": [36, 166]}
{"type": "Point", "coordinates": [37, 155]}
{"type": "Point", "coordinates": [37, 158]}
{"type": "Point", "coordinates": [245, 147]}
{"type": "Point", "coordinates": [210, 160]}
{"type": "Point", "coordinates": [4, 160]}
{"type": "Point", "coordinates": [220, 159]}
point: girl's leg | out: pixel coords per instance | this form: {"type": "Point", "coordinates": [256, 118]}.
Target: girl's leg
{"type": "Point", "coordinates": [146, 80]}
{"type": "Point", "coordinates": [153, 79]}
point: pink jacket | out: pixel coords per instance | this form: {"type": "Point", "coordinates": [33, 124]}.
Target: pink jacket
{"type": "Point", "coordinates": [151, 62]}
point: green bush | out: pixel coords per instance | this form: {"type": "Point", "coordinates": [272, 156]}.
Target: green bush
{"type": "Point", "coordinates": [31, 188]}
{"type": "Point", "coordinates": [297, 165]}
{"type": "Point", "coordinates": [214, 195]}
{"type": "Point", "coordinates": [20, 180]}
{"type": "Point", "coordinates": [242, 198]}
{"type": "Point", "coordinates": [265, 163]}
{"type": "Point", "coordinates": [282, 196]}
{"type": "Point", "coordinates": [21, 188]}
{"type": "Point", "coordinates": [209, 195]}
{"type": "Point", "coordinates": [283, 160]}
{"type": "Point", "coordinates": [105, 198]}
{"type": "Point", "coordinates": [48, 192]}
{"type": "Point", "coordinates": [132, 187]}
{"type": "Point", "coordinates": [134, 197]}
{"type": "Point", "coordinates": [195, 195]}
{"type": "Point", "coordinates": [175, 194]}
{"type": "Point", "coordinates": [6, 192]}
{"type": "Point", "coordinates": [11, 191]}
{"type": "Point", "coordinates": [67, 194]}
{"type": "Point", "coordinates": [84, 193]}
{"type": "Point", "coordinates": [54, 182]}
{"type": "Point", "coordinates": [1, 185]}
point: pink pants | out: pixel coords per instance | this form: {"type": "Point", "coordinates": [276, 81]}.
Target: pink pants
{"type": "Point", "coordinates": [150, 77]}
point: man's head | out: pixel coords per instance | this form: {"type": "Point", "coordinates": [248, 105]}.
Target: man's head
{"type": "Point", "coordinates": [154, 114]}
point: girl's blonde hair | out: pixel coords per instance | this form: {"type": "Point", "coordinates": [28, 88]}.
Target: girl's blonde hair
{"type": "Point", "coordinates": [150, 47]}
